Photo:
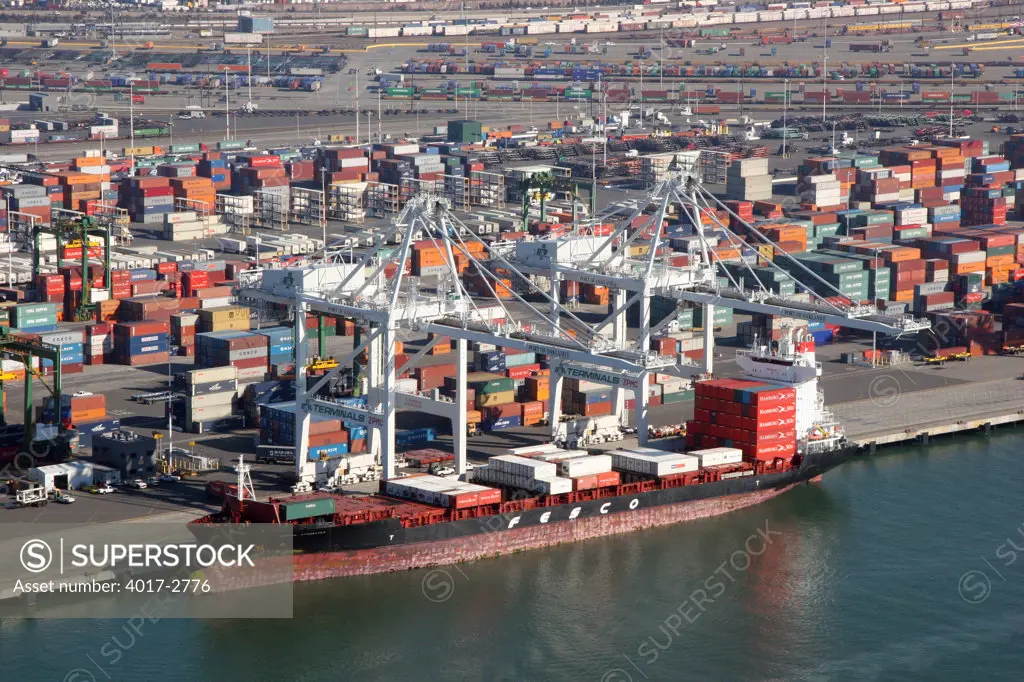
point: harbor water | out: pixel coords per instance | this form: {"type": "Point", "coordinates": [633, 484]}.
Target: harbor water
{"type": "Point", "coordinates": [901, 566]}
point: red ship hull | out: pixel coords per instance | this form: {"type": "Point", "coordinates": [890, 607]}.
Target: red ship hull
{"type": "Point", "coordinates": [384, 559]}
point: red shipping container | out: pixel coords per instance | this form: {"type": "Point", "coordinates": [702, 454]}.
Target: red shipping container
{"type": "Point", "coordinates": [140, 328]}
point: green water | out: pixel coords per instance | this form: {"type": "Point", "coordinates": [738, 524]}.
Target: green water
{"type": "Point", "coordinates": [878, 573]}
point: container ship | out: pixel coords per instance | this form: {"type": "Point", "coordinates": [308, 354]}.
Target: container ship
{"type": "Point", "coordinates": [751, 440]}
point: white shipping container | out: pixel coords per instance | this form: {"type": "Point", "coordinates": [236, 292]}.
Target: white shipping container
{"type": "Point", "coordinates": [211, 399]}
{"type": "Point", "coordinates": [553, 486]}
{"type": "Point", "coordinates": [585, 466]}
{"type": "Point", "coordinates": [660, 464]}
{"type": "Point", "coordinates": [710, 457]}
{"type": "Point", "coordinates": [522, 466]}
{"type": "Point", "coordinates": [201, 414]}
{"type": "Point", "coordinates": [527, 450]}
{"type": "Point", "coordinates": [207, 376]}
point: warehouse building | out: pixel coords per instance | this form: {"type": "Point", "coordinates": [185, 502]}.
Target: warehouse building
{"type": "Point", "coordinates": [73, 475]}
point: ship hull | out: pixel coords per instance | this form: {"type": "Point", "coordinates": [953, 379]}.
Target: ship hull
{"type": "Point", "coordinates": [385, 546]}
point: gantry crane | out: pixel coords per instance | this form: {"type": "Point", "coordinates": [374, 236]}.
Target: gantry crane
{"type": "Point", "coordinates": [502, 314]}
{"type": "Point", "coordinates": [24, 349]}
{"type": "Point", "coordinates": [75, 229]}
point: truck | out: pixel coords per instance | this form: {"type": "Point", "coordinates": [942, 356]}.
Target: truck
{"type": "Point", "coordinates": [32, 496]}
{"type": "Point", "coordinates": [50, 42]}
{"type": "Point", "coordinates": [581, 432]}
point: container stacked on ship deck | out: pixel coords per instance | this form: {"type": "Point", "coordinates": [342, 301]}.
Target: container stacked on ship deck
{"type": "Point", "coordinates": [756, 418]}
{"type": "Point", "coordinates": [440, 492]}
{"type": "Point", "coordinates": [514, 471]}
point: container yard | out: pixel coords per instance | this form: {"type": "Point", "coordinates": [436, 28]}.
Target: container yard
{"type": "Point", "coordinates": [581, 252]}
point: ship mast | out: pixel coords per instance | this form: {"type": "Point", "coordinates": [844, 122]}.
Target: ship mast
{"type": "Point", "coordinates": [244, 482]}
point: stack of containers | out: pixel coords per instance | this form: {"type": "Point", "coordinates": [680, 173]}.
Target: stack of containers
{"type": "Point", "coordinates": [328, 438]}
{"type": "Point", "coordinates": [214, 167]}
{"type": "Point", "coordinates": [748, 180]}
{"type": "Point", "coordinates": [245, 351]}
{"type": "Point", "coordinates": [183, 330]}
{"type": "Point", "coordinates": [211, 396]}
{"type": "Point", "coordinates": [434, 376]}
{"type": "Point", "coordinates": [644, 462]}
{"type": "Point", "coordinates": [440, 492]}
{"type": "Point", "coordinates": [266, 175]}
{"type": "Point", "coordinates": [33, 200]}
{"type": "Point", "coordinates": [72, 350]}
{"type": "Point", "coordinates": [346, 165]}
{"type": "Point", "coordinates": [588, 472]}
{"type": "Point", "coordinates": [34, 317]}
{"type": "Point", "coordinates": [81, 188]}
{"type": "Point", "coordinates": [199, 192]}
{"type": "Point", "coordinates": [223, 318]}
{"type": "Point", "coordinates": [984, 206]}
{"type": "Point", "coordinates": [147, 199]}
{"type": "Point", "coordinates": [280, 348]}
{"type": "Point", "coordinates": [522, 472]}
{"type": "Point", "coordinates": [496, 400]}
{"type": "Point", "coordinates": [141, 343]}
{"type": "Point", "coordinates": [822, 191]}
{"type": "Point", "coordinates": [587, 398]}
{"type": "Point", "coordinates": [120, 284]}
{"type": "Point", "coordinates": [757, 418]}
{"type": "Point", "coordinates": [50, 288]}
{"type": "Point", "coordinates": [87, 413]}
{"type": "Point", "coordinates": [75, 409]}
{"type": "Point", "coordinates": [99, 343]}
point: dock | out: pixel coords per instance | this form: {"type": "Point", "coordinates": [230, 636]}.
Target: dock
{"type": "Point", "coordinates": [891, 417]}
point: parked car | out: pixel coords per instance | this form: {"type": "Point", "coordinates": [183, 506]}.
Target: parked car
{"type": "Point", "coordinates": [137, 484]}
{"type": "Point", "coordinates": [170, 478]}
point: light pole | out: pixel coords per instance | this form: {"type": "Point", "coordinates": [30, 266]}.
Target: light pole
{"type": "Point", "coordinates": [380, 135]}
{"type": "Point", "coordinates": [10, 270]}
{"type": "Point", "coordinates": [248, 57]}
{"type": "Point", "coordinates": [170, 406]}
{"type": "Point", "coordinates": [785, 112]}
{"type": "Point", "coordinates": [227, 108]}
{"type": "Point", "coordinates": [323, 224]}
{"type": "Point", "coordinates": [824, 84]}
{"type": "Point", "coordinates": [131, 115]}
{"type": "Point", "coordinates": [641, 94]}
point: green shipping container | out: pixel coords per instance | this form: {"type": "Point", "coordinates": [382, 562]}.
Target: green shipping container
{"type": "Point", "coordinates": [231, 145]}
{"type": "Point", "coordinates": [485, 382]}
{"type": "Point", "coordinates": [184, 148]}
{"type": "Point", "coordinates": [303, 510]}
{"type": "Point", "coordinates": [358, 31]}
